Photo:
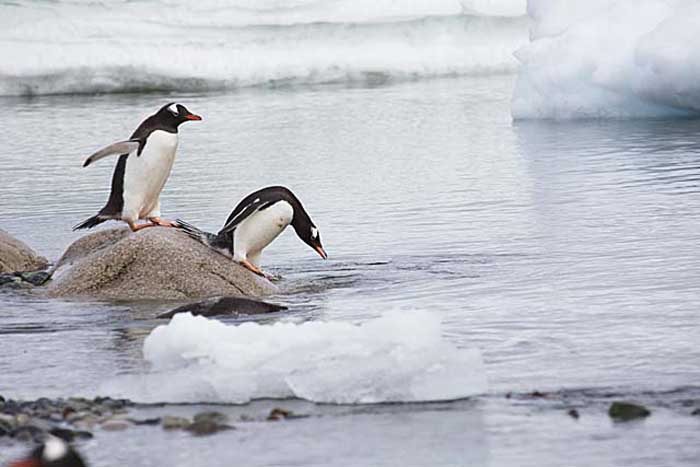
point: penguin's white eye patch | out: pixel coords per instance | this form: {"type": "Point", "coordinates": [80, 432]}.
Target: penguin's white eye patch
{"type": "Point", "coordinates": [314, 232]}
{"type": "Point", "coordinates": [173, 109]}
{"type": "Point", "coordinates": [54, 449]}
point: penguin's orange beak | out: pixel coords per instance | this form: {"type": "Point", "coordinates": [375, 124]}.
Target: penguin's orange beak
{"type": "Point", "coordinates": [193, 117]}
{"type": "Point", "coordinates": [319, 249]}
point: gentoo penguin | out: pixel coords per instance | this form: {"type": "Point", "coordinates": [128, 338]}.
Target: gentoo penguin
{"type": "Point", "coordinates": [143, 168]}
{"type": "Point", "coordinates": [255, 222]}
{"type": "Point", "coordinates": [54, 452]}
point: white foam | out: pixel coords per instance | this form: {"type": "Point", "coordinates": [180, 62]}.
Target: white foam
{"type": "Point", "coordinates": [50, 48]}
{"type": "Point", "coordinates": [398, 357]}
{"type": "Point", "coordinates": [610, 58]}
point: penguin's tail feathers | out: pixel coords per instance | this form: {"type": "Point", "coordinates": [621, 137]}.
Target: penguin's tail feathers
{"type": "Point", "coordinates": [91, 222]}
{"type": "Point", "coordinates": [195, 233]}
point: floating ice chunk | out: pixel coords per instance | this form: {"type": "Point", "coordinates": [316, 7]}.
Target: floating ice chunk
{"type": "Point", "coordinates": [607, 58]}
{"type": "Point", "coordinates": [399, 357]}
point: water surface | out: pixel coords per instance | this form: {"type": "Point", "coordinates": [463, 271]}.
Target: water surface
{"type": "Point", "coordinates": [564, 251]}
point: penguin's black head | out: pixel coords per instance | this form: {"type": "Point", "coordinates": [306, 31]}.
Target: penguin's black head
{"type": "Point", "coordinates": [54, 452]}
{"type": "Point", "coordinates": [310, 235]}
{"type": "Point", "coordinates": [176, 114]}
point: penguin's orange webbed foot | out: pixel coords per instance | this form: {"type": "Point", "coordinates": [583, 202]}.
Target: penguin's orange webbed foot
{"type": "Point", "coordinates": [158, 221]}
{"type": "Point", "coordinates": [136, 227]}
{"type": "Point", "coordinates": [251, 267]}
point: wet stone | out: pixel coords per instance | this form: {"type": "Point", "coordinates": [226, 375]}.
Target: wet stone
{"type": "Point", "coordinates": [7, 278]}
{"type": "Point", "coordinates": [625, 411]}
{"type": "Point", "coordinates": [28, 433]}
{"type": "Point", "coordinates": [145, 421]}
{"type": "Point", "coordinates": [206, 427]}
{"type": "Point", "coordinates": [170, 422]}
{"type": "Point", "coordinates": [11, 281]}
{"type": "Point", "coordinates": [215, 417]}
{"type": "Point", "coordinates": [22, 419]}
{"type": "Point", "coordinates": [115, 425]}
{"type": "Point", "coordinates": [6, 427]}
{"type": "Point", "coordinates": [573, 413]}
{"type": "Point", "coordinates": [36, 278]}
{"type": "Point", "coordinates": [695, 412]}
{"type": "Point", "coordinates": [279, 414]}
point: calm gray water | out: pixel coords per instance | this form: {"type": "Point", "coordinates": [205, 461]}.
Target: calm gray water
{"type": "Point", "coordinates": [566, 252]}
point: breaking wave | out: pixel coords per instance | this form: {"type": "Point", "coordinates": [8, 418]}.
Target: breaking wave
{"type": "Point", "coordinates": [173, 45]}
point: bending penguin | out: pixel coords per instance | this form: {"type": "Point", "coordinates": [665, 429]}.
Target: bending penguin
{"type": "Point", "coordinates": [144, 165]}
{"type": "Point", "coordinates": [254, 223]}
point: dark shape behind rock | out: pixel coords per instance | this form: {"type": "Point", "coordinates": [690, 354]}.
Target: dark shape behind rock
{"type": "Point", "coordinates": [155, 263]}
{"type": "Point", "coordinates": [624, 411]}
{"type": "Point", "coordinates": [36, 277]}
{"type": "Point", "coordinates": [16, 256]}
{"type": "Point", "coordinates": [225, 306]}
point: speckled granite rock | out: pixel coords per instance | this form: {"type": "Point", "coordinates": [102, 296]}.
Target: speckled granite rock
{"type": "Point", "coordinates": [155, 263]}
{"type": "Point", "coordinates": [16, 256]}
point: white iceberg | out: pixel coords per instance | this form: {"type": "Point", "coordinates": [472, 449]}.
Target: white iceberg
{"type": "Point", "coordinates": [399, 357]}
{"type": "Point", "coordinates": [607, 58]}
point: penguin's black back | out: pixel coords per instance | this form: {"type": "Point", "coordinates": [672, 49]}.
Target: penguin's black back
{"type": "Point", "coordinates": [268, 196]}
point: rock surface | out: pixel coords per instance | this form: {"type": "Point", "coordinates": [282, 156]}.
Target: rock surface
{"type": "Point", "coordinates": [155, 263]}
{"type": "Point", "coordinates": [624, 411]}
{"type": "Point", "coordinates": [16, 256]}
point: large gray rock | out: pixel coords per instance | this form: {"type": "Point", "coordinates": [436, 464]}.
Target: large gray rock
{"type": "Point", "coordinates": [16, 256]}
{"type": "Point", "coordinates": [154, 263]}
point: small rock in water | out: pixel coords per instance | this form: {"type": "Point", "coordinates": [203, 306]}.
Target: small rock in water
{"type": "Point", "coordinates": [17, 256]}
{"type": "Point", "coordinates": [279, 414]}
{"type": "Point", "coordinates": [145, 421]}
{"type": "Point", "coordinates": [573, 413]}
{"type": "Point", "coordinates": [695, 412]}
{"type": "Point", "coordinates": [625, 411]}
{"type": "Point", "coordinates": [117, 264]}
{"type": "Point", "coordinates": [5, 427]}
{"type": "Point", "coordinates": [216, 417]}
{"type": "Point", "coordinates": [170, 422]}
{"type": "Point", "coordinates": [7, 278]}
{"type": "Point", "coordinates": [36, 277]}
{"type": "Point", "coordinates": [206, 427]}
{"type": "Point", "coordinates": [22, 419]}
{"type": "Point", "coordinates": [11, 281]}
{"type": "Point", "coordinates": [115, 425]}
{"type": "Point", "coordinates": [28, 433]}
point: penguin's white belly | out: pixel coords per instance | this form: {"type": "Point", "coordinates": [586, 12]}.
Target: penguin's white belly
{"type": "Point", "coordinates": [259, 230]}
{"type": "Point", "coordinates": [145, 175]}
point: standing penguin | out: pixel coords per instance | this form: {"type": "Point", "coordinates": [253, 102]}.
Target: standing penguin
{"type": "Point", "coordinates": [255, 222]}
{"type": "Point", "coordinates": [144, 165]}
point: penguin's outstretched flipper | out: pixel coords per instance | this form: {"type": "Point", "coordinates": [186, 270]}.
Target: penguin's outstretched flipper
{"type": "Point", "coordinates": [118, 148]}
